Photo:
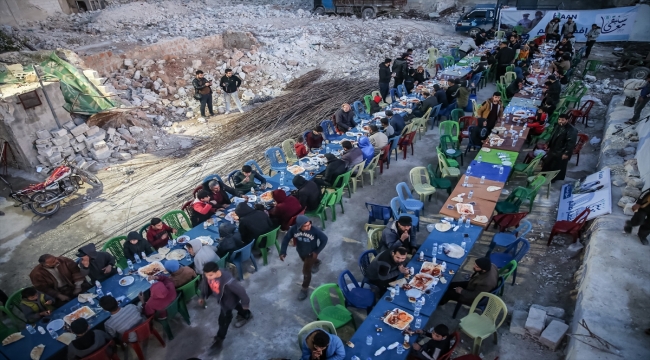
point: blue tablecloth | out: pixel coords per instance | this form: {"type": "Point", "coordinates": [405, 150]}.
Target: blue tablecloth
{"type": "Point", "coordinates": [452, 237]}
{"type": "Point", "coordinates": [388, 335]}
{"type": "Point", "coordinates": [490, 171]}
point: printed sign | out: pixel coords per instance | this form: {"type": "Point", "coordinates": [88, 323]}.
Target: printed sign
{"type": "Point", "coordinates": [594, 192]}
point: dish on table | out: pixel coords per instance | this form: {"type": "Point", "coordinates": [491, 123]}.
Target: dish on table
{"type": "Point", "coordinates": [178, 254]}
{"type": "Point", "coordinates": [67, 338]}
{"type": "Point", "coordinates": [36, 352]}
{"type": "Point", "coordinates": [183, 239]}
{"type": "Point", "coordinates": [421, 281]}
{"type": "Point", "coordinates": [520, 113]}
{"type": "Point", "coordinates": [481, 219]}
{"type": "Point", "coordinates": [82, 298]}
{"type": "Point", "coordinates": [399, 319]}
{"type": "Point", "coordinates": [152, 269]}
{"type": "Point", "coordinates": [296, 170]}
{"type": "Point", "coordinates": [55, 325]}
{"type": "Point", "coordinates": [267, 196]}
{"type": "Point", "coordinates": [311, 153]}
{"type": "Point", "coordinates": [12, 338]}
{"type": "Point", "coordinates": [126, 281]}
{"type": "Point", "coordinates": [458, 198]}
{"type": "Point", "coordinates": [155, 257]}
{"type": "Point", "coordinates": [493, 188]}
{"type": "Point", "coordinates": [431, 268]}
{"type": "Point", "coordinates": [484, 149]}
{"type": "Point", "coordinates": [206, 240]}
{"type": "Point", "coordinates": [83, 312]}
{"type": "Point", "coordinates": [506, 163]}
{"type": "Point", "coordinates": [443, 227]}
{"type": "Point", "coordinates": [164, 250]}
{"type": "Point", "coordinates": [465, 209]}
{"type": "Point", "coordinates": [500, 128]}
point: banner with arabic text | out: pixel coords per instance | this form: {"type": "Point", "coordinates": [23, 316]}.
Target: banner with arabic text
{"type": "Point", "coordinates": [615, 24]}
{"type": "Point", "coordinates": [593, 192]}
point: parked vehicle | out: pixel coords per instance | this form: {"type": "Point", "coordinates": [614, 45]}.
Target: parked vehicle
{"type": "Point", "coordinates": [482, 16]}
{"type": "Point", "coordinates": [367, 9]}
{"type": "Point", "coordinates": [638, 65]}
{"type": "Point", "coordinates": [44, 198]}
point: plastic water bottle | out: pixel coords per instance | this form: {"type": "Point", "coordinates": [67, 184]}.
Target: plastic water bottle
{"type": "Point", "coordinates": [471, 192]}
{"type": "Point", "coordinates": [478, 160]}
{"type": "Point", "coordinates": [418, 323]}
{"type": "Point", "coordinates": [30, 329]}
{"type": "Point", "coordinates": [418, 307]}
{"type": "Point", "coordinates": [468, 222]}
{"type": "Point", "coordinates": [469, 169]}
{"type": "Point", "coordinates": [421, 255]}
{"type": "Point", "coordinates": [440, 250]}
{"type": "Point", "coordinates": [327, 149]}
{"type": "Point", "coordinates": [465, 181]}
{"type": "Point", "coordinates": [483, 179]}
{"type": "Point", "coordinates": [143, 255]}
{"type": "Point", "coordinates": [369, 340]}
{"type": "Point", "coordinates": [282, 178]}
{"type": "Point", "coordinates": [130, 264]}
{"type": "Point", "coordinates": [119, 271]}
{"type": "Point", "coordinates": [99, 292]}
{"type": "Point", "coordinates": [500, 170]}
{"type": "Point", "coordinates": [514, 141]}
{"type": "Point", "coordinates": [434, 251]}
{"type": "Point", "coordinates": [433, 259]}
{"type": "Point", "coordinates": [170, 243]}
{"type": "Point", "coordinates": [396, 290]}
{"type": "Point", "coordinates": [53, 334]}
{"type": "Point", "coordinates": [252, 190]}
{"type": "Point", "coordinates": [400, 349]}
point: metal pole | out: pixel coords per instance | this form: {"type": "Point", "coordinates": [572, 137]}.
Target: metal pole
{"type": "Point", "coordinates": [47, 98]}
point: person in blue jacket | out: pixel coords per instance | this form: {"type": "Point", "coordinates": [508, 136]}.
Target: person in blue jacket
{"type": "Point", "coordinates": [396, 121]}
{"type": "Point", "coordinates": [367, 149]}
{"type": "Point", "coordinates": [319, 345]}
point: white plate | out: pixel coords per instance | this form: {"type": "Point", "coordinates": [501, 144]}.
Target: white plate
{"type": "Point", "coordinates": [183, 239]}
{"type": "Point", "coordinates": [55, 325]}
{"type": "Point", "coordinates": [450, 151]}
{"type": "Point", "coordinates": [155, 257]}
{"type": "Point", "coordinates": [178, 254]}
{"type": "Point", "coordinates": [251, 198]}
{"type": "Point", "coordinates": [206, 240]}
{"type": "Point", "coordinates": [484, 149]}
{"type": "Point", "coordinates": [126, 281]}
{"type": "Point", "coordinates": [414, 293]}
{"type": "Point", "coordinates": [443, 227]}
{"type": "Point", "coordinates": [506, 163]}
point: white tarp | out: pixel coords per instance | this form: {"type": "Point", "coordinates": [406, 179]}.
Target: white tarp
{"type": "Point", "coordinates": [594, 191]}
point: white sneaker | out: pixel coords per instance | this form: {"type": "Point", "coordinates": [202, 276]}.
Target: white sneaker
{"type": "Point", "coordinates": [226, 113]}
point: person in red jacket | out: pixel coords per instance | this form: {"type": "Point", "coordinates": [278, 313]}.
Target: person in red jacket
{"type": "Point", "coordinates": [301, 149]}
{"type": "Point", "coordinates": [286, 208]}
{"type": "Point", "coordinates": [201, 208]}
{"type": "Point", "coordinates": [162, 293]}
{"type": "Point", "coordinates": [315, 138]}
{"type": "Point", "coordinates": [158, 233]}
{"type": "Point", "coordinates": [537, 123]}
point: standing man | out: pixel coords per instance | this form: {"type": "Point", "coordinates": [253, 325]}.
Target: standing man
{"type": "Point", "coordinates": [310, 241]}
{"type": "Point", "coordinates": [591, 36]}
{"type": "Point", "coordinates": [58, 277]}
{"type": "Point", "coordinates": [552, 30]}
{"type": "Point", "coordinates": [229, 294]}
{"type": "Point", "coordinates": [409, 58]}
{"type": "Point", "coordinates": [492, 110]}
{"type": "Point", "coordinates": [400, 69]}
{"type": "Point", "coordinates": [560, 147]}
{"type": "Point", "coordinates": [505, 57]}
{"type": "Point", "coordinates": [538, 17]}
{"type": "Point", "coordinates": [569, 27]}
{"type": "Point", "coordinates": [230, 83]}
{"type": "Point", "coordinates": [553, 89]}
{"type": "Point", "coordinates": [641, 217]}
{"type": "Point", "coordinates": [467, 45]}
{"type": "Point", "coordinates": [203, 90]}
{"type": "Point", "coordinates": [641, 102]}
{"type": "Point", "coordinates": [384, 78]}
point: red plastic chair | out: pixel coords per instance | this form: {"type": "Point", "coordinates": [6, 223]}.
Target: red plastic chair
{"type": "Point", "coordinates": [187, 207]}
{"type": "Point", "coordinates": [582, 113]}
{"type": "Point", "coordinates": [405, 141]}
{"type": "Point", "coordinates": [143, 332]}
{"type": "Point", "coordinates": [572, 228]}
{"type": "Point", "coordinates": [384, 158]}
{"type": "Point", "coordinates": [196, 190]}
{"type": "Point", "coordinates": [582, 140]}
{"type": "Point", "coordinates": [102, 354]}
{"type": "Point", "coordinates": [466, 122]}
{"type": "Point", "coordinates": [505, 221]}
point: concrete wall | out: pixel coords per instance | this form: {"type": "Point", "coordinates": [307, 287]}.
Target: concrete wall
{"type": "Point", "coordinates": [19, 126]}
{"type": "Point", "coordinates": [19, 12]}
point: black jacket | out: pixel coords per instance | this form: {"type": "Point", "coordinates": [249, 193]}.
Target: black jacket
{"type": "Point", "coordinates": [563, 141]}
{"type": "Point", "coordinates": [383, 267]}
{"type": "Point", "coordinates": [428, 103]}
{"type": "Point", "coordinates": [384, 73]}
{"type": "Point", "coordinates": [398, 123]}
{"type": "Point", "coordinates": [230, 84]}
{"type": "Point", "coordinates": [479, 40]}
{"type": "Point", "coordinates": [141, 246]}
{"type": "Point", "coordinates": [333, 170]}
{"type": "Point", "coordinates": [451, 92]}
{"type": "Point", "coordinates": [505, 56]}
{"type": "Point", "coordinates": [308, 193]}
{"type": "Point", "coordinates": [244, 187]}
{"type": "Point", "coordinates": [441, 96]}
{"type": "Point", "coordinates": [231, 292]}
{"type": "Point", "coordinates": [252, 223]}
{"type": "Point", "coordinates": [230, 239]}
{"type": "Point", "coordinates": [224, 190]}
{"type": "Point", "coordinates": [98, 261]}
{"type": "Point", "coordinates": [345, 120]}
{"type": "Point", "coordinates": [553, 91]}
{"type": "Point", "coordinates": [400, 68]}
{"type": "Point", "coordinates": [565, 48]}
{"type": "Point", "coordinates": [200, 84]}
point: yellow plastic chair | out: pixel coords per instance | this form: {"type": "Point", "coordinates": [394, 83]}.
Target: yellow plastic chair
{"type": "Point", "coordinates": [509, 77]}
{"type": "Point", "coordinates": [381, 104]}
{"type": "Point", "coordinates": [326, 326]}
{"type": "Point", "coordinates": [289, 150]}
{"type": "Point", "coordinates": [420, 124]}
{"type": "Point", "coordinates": [498, 35]}
{"type": "Point", "coordinates": [475, 108]}
{"type": "Point", "coordinates": [421, 182]}
{"type": "Point", "coordinates": [370, 169]}
{"type": "Point", "coordinates": [445, 169]}
{"type": "Point", "coordinates": [374, 235]}
{"type": "Point", "coordinates": [548, 175]}
{"type": "Point", "coordinates": [434, 54]}
{"type": "Point", "coordinates": [357, 175]}
{"type": "Point", "coordinates": [479, 327]}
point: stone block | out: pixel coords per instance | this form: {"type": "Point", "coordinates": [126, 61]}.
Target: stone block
{"type": "Point", "coordinates": [135, 130]}
{"type": "Point", "coordinates": [79, 129]}
{"type": "Point", "coordinates": [632, 192]}
{"type": "Point", "coordinates": [70, 136]}
{"type": "Point", "coordinates": [43, 134]}
{"type": "Point", "coordinates": [553, 334]}
{"type": "Point", "coordinates": [90, 140]}
{"type": "Point", "coordinates": [635, 182]}
{"type": "Point", "coordinates": [80, 138]}
{"type": "Point", "coordinates": [79, 120]}
{"type": "Point", "coordinates": [57, 148]}
{"type": "Point", "coordinates": [61, 141]}
{"type": "Point", "coordinates": [128, 138]}
{"type": "Point", "coordinates": [626, 200]}
{"type": "Point", "coordinates": [58, 132]}
{"type": "Point", "coordinates": [80, 146]}
{"type": "Point", "coordinates": [111, 131]}
{"type": "Point", "coordinates": [99, 145]}
{"type": "Point", "coordinates": [150, 99]}
{"type": "Point", "coordinates": [551, 310]}
{"type": "Point", "coordinates": [518, 322]}
{"type": "Point", "coordinates": [55, 158]}
{"type": "Point", "coordinates": [68, 151]}
{"type": "Point", "coordinates": [535, 321]}
{"type": "Point", "coordinates": [627, 210]}
{"type": "Point", "coordinates": [121, 155]}
{"type": "Point", "coordinates": [69, 125]}
{"type": "Point", "coordinates": [43, 141]}
{"type": "Point", "coordinates": [92, 130]}
{"type": "Point", "coordinates": [550, 319]}
{"type": "Point", "coordinates": [101, 154]}
{"type": "Point", "coordinates": [43, 159]}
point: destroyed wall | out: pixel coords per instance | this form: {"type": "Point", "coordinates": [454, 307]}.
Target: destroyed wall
{"type": "Point", "coordinates": [19, 12]}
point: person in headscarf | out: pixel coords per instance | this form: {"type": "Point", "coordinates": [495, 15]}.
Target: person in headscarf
{"type": "Point", "coordinates": [87, 341]}
{"type": "Point", "coordinates": [307, 192]}
{"type": "Point", "coordinates": [162, 293]}
{"type": "Point", "coordinates": [480, 132]}
{"type": "Point", "coordinates": [367, 149]}
{"type": "Point", "coordinates": [484, 279]}
{"type": "Point", "coordinates": [286, 207]}
{"type": "Point", "coordinates": [180, 275]}
{"type": "Point", "coordinates": [136, 245]}
{"type": "Point", "coordinates": [230, 239]}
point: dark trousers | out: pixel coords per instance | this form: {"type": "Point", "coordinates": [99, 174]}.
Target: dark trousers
{"type": "Point", "coordinates": [206, 99]}
{"type": "Point", "coordinates": [589, 45]}
{"type": "Point", "coordinates": [501, 70]}
{"type": "Point", "coordinates": [451, 293]}
{"type": "Point", "coordinates": [225, 318]}
{"type": "Point", "coordinates": [307, 264]}
{"type": "Point", "coordinates": [550, 37]}
{"type": "Point", "coordinates": [383, 90]}
{"type": "Point", "coordinates": [640, 218]}
{"type": "Point", "coordinates": [554, 162]}
{"type": "Point", "coordinates": [398, 81]}
{"type": "Point", "coordinates": [462, 54]}
{"type": "Point", "coordinates": [638, 107]}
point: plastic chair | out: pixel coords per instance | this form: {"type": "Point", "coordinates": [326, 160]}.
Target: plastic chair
{"type": "Point", "coordinates": [451, 128]}
{"type": "Point", "coordinates": [102, 353]}
{"type": "Point", "coordinates": [359, 111]}
{"type": "Point", "coordinates": [438, 183]}
{"type": "Point", "coordinates": [545, 135]}
{"type": "Point", "coordinates": [176, 307]}
{"type": "Point", "coordinates": [378, 212]}
{"type": "Point", "coordinates": [506, 271]}
{"type": "Point", "coordinates": [481, 305]}
{"type": "Point", "coordinates": [572, 228]}
{"type": "Point", "coordinates": [364, 260]}
{"type": "Point", "coordinates": [446, 112]}
{"type": "Point", "coordinates": [510, 77]}
{"type": "Point", "coordinates": [441, 62]}
{"type": "Point", "coordinates": [329, 131]}
{"type": "Point", "coordinates": [456, 114]}
{"type": "Point", "coordinates": [399, 210]}
{"type": "Point", "coordinates": [6, 330]}
{"type": "Point", "coordinates": [355, 295]}
{"type": "Point", "coordinates": [326, 326]}
{"type": "Point", "coordinates": [498, 35]}
{"type": "Point", "coordinates": [401, 90]}
{"type": "Point", "coordinates": [382, 103]}
{"type": "Point", "coordinates": [479, 327]}
{"type": "Point", "coordinates": [336, 198]}
{"type": "Point", "coordinates": [142, 331]}
{"type": "Point", "coordinates": [515, 251]}
{"type": "Point", "coordinates": [582, 140]}
{"type": "Point", "coordinates": [371, 167]}
{"type": "Point", "coordinates": [366, 100]}
{"type": "Point", "coordinates": [393, 95]}
{"type": "Point", "coordinates": [443, 166]}
{"type": "Point", "coordinates": [222, 262]}
{"type": "Point", "coordinates": [189, 290]}
{"type": "Point", "coordinates": [505, 239]}
{"type": "Point", "coordinates": [385, 155]}
{"type": "Point", "coordinates": [271, 238]}
{"type": "Point", "coordinates": [476, 80]}
{"type": "Point", "coordinates": [374, 234]}
{"type": "Point", "coordinates": [433, 55]}
{"type": "Point", "coordinates": [488, 74]}
{"type": "Point", "coordinates": [435, 115]}
{"type": "Point", "coordinates": [592, 66]}
{"type": "Point", "coordinates": [187, 208]}
{"type": "Point", "coordinates": [276, 158]}
{"type": "Point", "coordinates": [290, 150]}
{"type": "Point", "coordinates": [464, 123]}
{"type": "Point", "coordinates": [583, 112]}
{"type": "Point", "coordinates": [12, 308]}
{"type": "Point", "coordinates": [405, 141]}
{"type": "Point", "coordinates": [406, 199]}
{"type": "Point", "coordinates": [470, 144]}
{"type": "Point", "coordinates": [357, 175]}
{"type": "Point", "coordinates": [175, 220]}
{"type": "Point", "coordinates": [548, 176]}
{"type": "Point", "coordinates": [452, 348]}
{"type": "Point", "coordinates": [252, 163]}
{"type": "Point", "coordinates": [394, 145]}
{"type": "Point", "coordinates": [513, 202]}
{"type": "Point", "coordinates": [526, 169]}
{"type": "Point", "coordinates": [327, 309]}
{"type": "Point", "coordinates": [231, 177]}
{"type": "Point", "coordinates": [320, 210]}
{"type": "Point", "coordinates": [505, 221]}
{"type": "Point", "coordinates": [573, 100]}
{"type": "Point", "coordinates": [420, 124]}
{"type": "Point", "coordinates": [342, 181]}
{"type": "Point", "coordinates": [115, 246]}
{"type": "Point", "coordinates": [451, 151]}
{"type": "Point", "coordinates": [211, 177]}
{"type": "Point", "coordinates": [449, 61]}
{"type": "Point", "coordinates": [241, 255]}
{"type": "Point", "coordinates": [421, 182]}
{"type": "Point", "coordinates": [455, 54]}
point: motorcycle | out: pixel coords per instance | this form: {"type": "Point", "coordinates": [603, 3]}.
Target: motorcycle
{"type": "Point", "coordinates": [44, 198]}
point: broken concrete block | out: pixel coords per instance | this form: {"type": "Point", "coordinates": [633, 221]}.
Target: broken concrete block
{"type": "Point", "coordinates": [70, 136]}
{"type": "Point", "coordinates": [121, 155]}
{"type": "Point", "coordinates": [551, 310]}
{"type": "Point", "coordinates": [518, 322]}
{"type": "Point", "coordinates": [111, 131]}
{"type": "Point", "coordinates": [635, 182]}
{"type": "Point", "coordinates": [128, 138]}
{"type": "Point", "coordinates": [553, 334]}
{"type": "Point", "coordinates": [43, 134]}
{"type": "Point", "coordinates": [80, 146]}
{"type": "Point", "coordinates": [535, 321]}
{"type": "Point", "coordinates": [67, 151]}
{"type": "Point", "coordinates": [58, 132]}
{"type": "Point", "coordinates": [79, 129]}
{"type": "Point", "coordinates": [135, 130]}
{"type": "Point", "coordinates": [80, 138]}
{"type": "Point", "coordinates": [69, 125]}
{"type": "Point", "coordinates": [90, 140]}
{"type": "Point", "coordinates": [92, 130]}
{"type": "Point", "coordinates": [632, 192]}
{"type": "Point", "coordinates": [101, 154]}
{"type": "Point", "coordinates": [42, 159]}
{"type": "Point", "coordinates": [626, 200]}
{"type": "Point", "coordinates": [55, 158]}
{"type": "Point", "coordinates": [99, 145]}
{"type": "Point", "coordinates": [550, 319]}
{"type": "Point", "coordinates": [43, 141]}
{"type": "Point", "coordinates": [61, 141]}
{"type": "Point", "coordinates": [196, 64]}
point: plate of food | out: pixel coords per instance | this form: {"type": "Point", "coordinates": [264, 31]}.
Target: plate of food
{"type": "Point", "coordinates": [506, 163]}
{"type": "Point", "coordinates": [493, 188]}
{"type": "Point", "coordinates": [500, 128]}
{"type": "Point", "coordinates": [126, 281]}
{"type": "Point", "coordinates": [443, 227]}
{"type": "Point", "coordinates": [465, 209]}
{"type": "Point", "coordinates": [267, 196]}
{"type": "Point", "coordinates": [36, 352]}
{"type": "Point", "coordinates": [421, 281]}
{"type": "Point", "coordinates": [178, 254]}
{"type": "Point", "coordinates": [183, 239]}
{"type": "Point", "coordinates": [431, 268]}
{"type": "Point", "coordinates": [296, 170]}
{"type": "Point", "coordinates": [206, 240]}
{"type": "Point", "coordinates": [481, 219]}
{"type": "Point", "coordinates": [83, 312]}
{"type": "Point", "coordinates": [155, 257]}
{"type": "Point", "coordinates": [413, 100]}
{"type": "Point", "coordinates": [484, 149]}
{"type": "Point", "coordinates": [520, 113]}
{"type": "Point", "coordinates": [457, 198]}
{"type": "Point", "coordinates": [413, 295]}
{"type": "Point", "coordinates": [82, 298]}
{"type": "Point", "coordinates": [164, 250]}
{"type": "Point", "coordinates": [399, 319]}
{"type": "Point", "coordinates": [312, 153]}
{"type": "Point", "coordinates": [12, 338]}
{"type": "Point", "coordinates": [152, 269]}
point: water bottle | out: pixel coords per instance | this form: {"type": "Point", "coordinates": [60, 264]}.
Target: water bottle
{"type": "Point", "coordinates": [421, 255]}
{"type": "Point", "coordinates": [400, 349]}
{"type": "Point", "coordinates": [143, 255]}
{"type": "Point", "coordinates": [514, 141]}
{"type": "Point", "coordinates": [465, 181]}
{"type": "Point", "coordinates": [418, 307]}
{"type": "Point", "coordinates": [433, 259]}
{"type": "Point", "coordinates": [440, 250]}
{"type": "Point", "coordinates": [99, 292]}
{"type": "Point", "coordinates": [500, 170]}
{"type": "Point", "coordinates": [463, 244]}
{"type": "Point", "coordinates": [130, 264]}
{"type": "Point", "coordinates": [478, 160]}
{"type": "Point", "coordinates": [483, 179]}
{"type": "Point", "coordinates": [435, 249]}
{"type": "Point", "coordinates": [327, 149]}
{"type": "Point", "coordinates": [521, 133]}
{"type": "Point", "coordinates": [471, 192]}
{"type": "Point", "coordinates": [170, 243]}
{"type": "Point", "coordinates": [119, 271]}
{"type": "Point", "coordinates": [468, 222]}
{"type": "Point", "coordinates": [282, 178]}
{"type": "Point", "coordinates": [369, 340]}
{"type": "Point", "coordinates": [511, 126]}
{"type": "Point", "coordinates": [469, 169]}
{"type": "Point", "coordinates": [252, 190]}
{"type": "Point", "coordinates": [30, 329]}
{"type": "Point", "coordinates": [396, 290]}
{"type": "Point", "coordinates": [418, 323]}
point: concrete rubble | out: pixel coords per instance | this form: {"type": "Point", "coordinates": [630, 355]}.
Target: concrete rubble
{"type": "Point", "coordinates": [545, 324]}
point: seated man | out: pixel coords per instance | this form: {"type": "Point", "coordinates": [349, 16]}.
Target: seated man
{"type": "Point", "coordinates": [344, 118]}
{"type": "Point", "coordinates": [398, 234]}
{"type": "Point", "coordinates": [314, 138]}
{"type": "Point", "coordinates": [335, 167]}
{"type": "Point", "coordinates": [201, 208]}
{"type": "Point", "coordinates": [162, 293]}
{"type": "Point", "coordinates": [438, 344]}
{"type": "Point", "coordinates": [229, 239]}
{"type": "Point", "coordinates": [307, 192]}
{"type": "Point", "coordinates": [452, 91]}
{"type": "Point", "coordinates": [377, 138]}
{"type": "Point", "coordinates": [98, 265]}
{"type": "Point", "coordinates": [484, 279]}
{"type": "Point", "coordinates": [300, 148]}
{"type": "Point", "coordinates": [388, 129]}
{"type": "Point", "coordinates": [252, 223]}
{"type": "Point", "coordinates": [202, 254]}
{"type": "Point", "coordinates": [35, 305]}
{"type": "Point", "coordinates": [180, 275]}
{"type": "Point", "coordinates": [286, 207]}
{"type": "Point", "coordinates": [245, 180]}
{"type": "Point", "coordinates": [351, 155]}
{"type": "Point", "coordinates": [87, 341]}
{"type": "Point", "coordinates": [136, 245]}
{"type": "Point", "coordinates": [396, 121]}
{"type": "Point", "coordinates": [58, 277]}
{"type": "Point", "coordinates": [441, 96]}
{"type": "Point", "coordinates": [122, 319]}
{"type": "Point", "coordinates": [320, 345]}
{"type": "Point", "coordinates": [428, 103]}
{"type": "Point", "coordinates": [563, 47]}
{"type": "Point", "coordinates": [219, 194]}
{"type": "Point", "coordinates": [158, 233]}
{"type": "Point", "coordinates": [386, 268]}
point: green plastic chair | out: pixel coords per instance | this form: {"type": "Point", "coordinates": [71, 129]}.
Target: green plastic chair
{"type": "Point", "coordinates": [336, 198]}
{"type": "Point", "coordinates": [573, 100]}
{"type": "Point", "coordinates": [498, 35]}
{"type": "Point", "coordinates": [572, 87]}
{"type": "Point", "coordinates": [358, 170]}
{"type": "Point", "coordinates": [4, 329]}
{"type": "Point", "coordinates": [371, 168]}
{"type": "Point", "coordinates": [143, 230]}
{"type": "Point", "coordinates": [175, 220]}
{"type": "Point", "coordinates": [513, 202]}
{"type": "Point", "coordinates": [271, 239]}
{"type": "Point", "coordinates": [510, 76]}
{"type": "Point", "coordinates": [479, 327]}
{"type": "Point", "coordinates": [421, 182]}
{"type": "Point", "coordinates": [367, 99]}
{"type": "Point", "coordinates": [548, 177]}
{"type": "Point", "coordinates": [510, 68]}
{"type": "Point", "coordinates": [374, 235]}
{"type": "Point", "coordinates": [223, 261]}
{"type": "Point", "coordinates": [504, 98]}
{"type": "Point", "coordinates": [444, 168]}
{"type": "Point", "coordinates": [526, 169]}
{"type": "Point", "coordinates": [456, 114]}
{"type": "Point", "coordinates": [342, 181]}
{"type": "Point", "coordinates": [544, 136]}
{"type": "Point", "coordinates": [449, 61]}
{"type": "Point", "coordinates": [488, 75]}
{"type": "Point", "coordinates": [189, 290]}
{"type": "Point", "coordinates": [449, 127]}
{"type": "Point", "coordinates": [290, 150]}
{"type": "Point", "coordinates": [437, 182]}
{"type": "Point", "coordinates": [533, 189]}
{"type": "Point", "coordinates": [172, 309]}
{"type": "Point", "coordinates": [592, 66]}
{"type": "Point", "coordinates": [115, 246]}
{"type": "Point", "coordinates": [505, 272]}
{"type": "Point", "coordinates": [325, 309]}
{"type": "Point", "coordinates": [326, 326]}
{"type": "Point", "coordinates": [446, 144]}
{"type": "Point", "coordinates": [320, 210]}
{"type": "Point", "coordinates": [12, 309]}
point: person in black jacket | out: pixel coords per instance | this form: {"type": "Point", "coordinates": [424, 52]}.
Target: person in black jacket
{"type": "Point", "coordinates": [396, 121]}
{"type": "Point", "coordinates": [385, 75]}
{"type": "Point", "coordinates": [481, 38]}
{"type": "Point", "coordinates": [387, 267]}
{"type": "Point", "coordinates": [420, 76]}
{"type": "Point", "coordinates": [307, 193]}
{"type": "Point", "coordinates": [505, 57]}
{"type": "Point", "coordinates": [135, 244]}
{"type": "Point", "coordinates": [514, 87]}
{"type": "Point", "coordinates": [641, 218]}
{"type": "Point", "coordinates": [400, 68]}
{"type": "Point", "coordinates": [252, 223]}
{"type": "Point", "coordinates": [409, 81]}
{"type": "Point", "coordinates": [98, 265]}
{"type": "Point", "coordinates": [563, 47]}
{"type": "Point", "coordinates": [438, 344]}
{"type": "Point", "coordinates": [245, 179]}
{"type": "Point", "coordinates": [480, 132]}
{"type": "Point", "coordinates": [230, 84]}
{"type": "Point", "coordinates": [440, 95]}
{"type": "Point", "coordinates": [553, 89]}
{"type": "Point", "coordinates": [230, 239]}
{"type": "Point", "coordinates": [219, 193]}
{"type": "Point", "coordinates": [560, 147]}
{"type": "Point", "coordinates": [202, 87]}
{"type": "Point", "coordinates": [335, 167]}
{"type": "Point", "coordinates": [452, 91]}
{"type": "Point", "coordinates": [345, 118]}
{"type": "Point", "coordinates": [428, 103]}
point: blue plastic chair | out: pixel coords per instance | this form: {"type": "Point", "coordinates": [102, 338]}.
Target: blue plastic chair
{"type": "Point", "coordinates": [241, 255]}
{"type": "Point", "coordinates": [469, 108]}
{"type": "Point", "coordinates": [211, 177]}
{"type": "Point", "coordinates": [252, 163]}
{"type": "Point", "coordinates": [272, 155]}
{"type": "Point", "coordinates": [329, 133]}
{"type": "Point", "coordinates": [455, 54]}
{"type": "Point", "coordinates": [512, 252]}
{"type": "Point", "coordinates": [483, 303]}
{"type": "Point", "coordinates": [393, 94]}
{"type": "Point", "coordinates": [435, 114]}
{"type": "Point", "coordinates": [356, 296]}
{"type": "Point", "coordinates": [360, 111]}
{"type": "Point", "coordinates": [441, 61]}
{"type": "Point", "coordinates": [446, 112]}
{"type": "Point", "coordinates": [401, 90]}
{"type": "Point", "coordinates": [476, 79]}
{"type": "Point", "coordinates": [364, 261]}
{"type": "Point", "coordinates": [393, 146]}
{"type": "Point", "coordinates": [398, 210]}
{"type": "Point", "coordinates": [407, 200]}
{"type": "Point", "coordinates": [507, 238]}
{"type": "Point", "coordinates": [378, 212]}
{"type": "Point", "coordinates": [231, 177]}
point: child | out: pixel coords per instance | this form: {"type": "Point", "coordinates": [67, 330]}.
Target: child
{"type": "Point", "coordinates": [301, 149]}
{"type": "Point", "coordinates": [438, 344]}
{"type": "Point", "coordinates": [35, 305]}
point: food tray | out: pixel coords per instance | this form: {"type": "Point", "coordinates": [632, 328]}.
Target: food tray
{"type": "Point", "coordinates": [465, 209]}
{"type": "Point", "coordinates": [178, 254]}
{"type": "Point", "coordinates": [431, 269]}
{"type": "Point", "coordinates": [267, 196]}
{"type": "Point", "coordinates": [398, 319]}
{"type": "Point", "coordinates": [295, 169]}
{"type": "Point", "coordinates": [421, 281]}
{"type": "Point", "coordinates": [83, 312]}
{"type": "Point", "coordinates": [152, 269]}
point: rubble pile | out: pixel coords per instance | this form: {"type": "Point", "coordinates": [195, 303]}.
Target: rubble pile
{"type": "Point", "coordinates": [545, 324]}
